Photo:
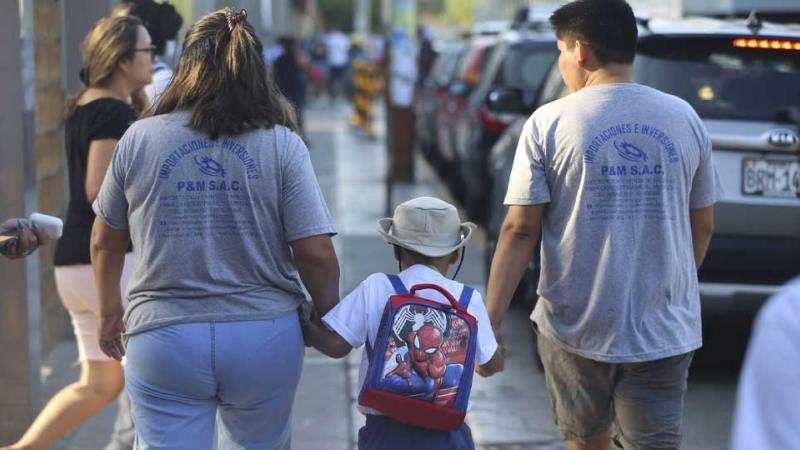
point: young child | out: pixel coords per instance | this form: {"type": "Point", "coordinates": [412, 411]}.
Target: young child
{"type": "Point", "coordinates": [427, 236]}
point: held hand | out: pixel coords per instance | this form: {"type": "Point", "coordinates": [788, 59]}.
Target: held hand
{"type": "Point", "coordinates": [310, 333]}
{"type": "Point", "coordinates": [498, 336]}
{"type": "Point", "coordinates": [111, 329]}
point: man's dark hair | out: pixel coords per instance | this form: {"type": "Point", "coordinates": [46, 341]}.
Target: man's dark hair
{"type": "Point", "coordinates": [608, 26]}
{"type": "Point", "coordinates": [162, 20]}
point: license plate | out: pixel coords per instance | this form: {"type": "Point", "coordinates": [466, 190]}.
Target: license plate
{"type": "Point", "coordinates": [770, 178]}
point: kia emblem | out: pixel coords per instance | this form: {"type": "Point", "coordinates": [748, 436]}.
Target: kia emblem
{"type": "Point", "coordinates": [783, 138]}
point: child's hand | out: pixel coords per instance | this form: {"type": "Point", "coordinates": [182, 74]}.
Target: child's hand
{"type": "Point", "coordinates": [494, 365]}
{"type": "Point", "coordinates": [317, 335]}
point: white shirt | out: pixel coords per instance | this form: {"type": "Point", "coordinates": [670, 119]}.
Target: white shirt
{"type": "Point", "coordinates": [767, 415]}
{"type": "Point", "coordinates": [359, 314]}
{"type": "Point", "coordinates": [162, 75]}
{"type": "Point", "coordinates": [338, 44]}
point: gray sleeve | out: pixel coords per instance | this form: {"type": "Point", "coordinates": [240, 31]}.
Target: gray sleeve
{"type": "Point", "coordinates": [111, 205]}
{"type": "Point", "coordinates": [527, 184]}
{"type": "Point", "coordinates": [303, 207]}
{"type": "Point", "coordinates": [706, 186]}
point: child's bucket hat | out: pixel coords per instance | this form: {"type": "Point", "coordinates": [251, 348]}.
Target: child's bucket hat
{"type": "Point", "coordinates": [426, 225]}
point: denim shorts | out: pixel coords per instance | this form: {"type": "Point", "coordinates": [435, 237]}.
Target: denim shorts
{"type": "Point", "coordinates": [232, 383]}
{"type": "Point", "coordinates": [642, 402]}
{"type": "Point", "coordinates": [385, 433]}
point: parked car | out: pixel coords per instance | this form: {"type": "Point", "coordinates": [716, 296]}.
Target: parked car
{"type": "Point", "coordinates": [479, 48]}
{"type": "Point", "coordinates": [743, 79]}
{"type": "Point", "coordinates": [518, 66]}
{"type": "Point", "coordinates": [432, 96]}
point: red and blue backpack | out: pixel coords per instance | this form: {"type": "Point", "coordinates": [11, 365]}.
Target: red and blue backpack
{"type": "Point", "coordinates": [421, 363]}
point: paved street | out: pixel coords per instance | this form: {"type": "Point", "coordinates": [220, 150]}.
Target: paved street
{"type": "Point", "coordinates": [510, 411]}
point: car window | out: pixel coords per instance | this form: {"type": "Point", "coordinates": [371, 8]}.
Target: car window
{"type": "Point", "coordinates": [720, 80]}
{"type": "Point", "coordinates": [445, 66]}
{"type": "Point", "coordinates": [525, 68]}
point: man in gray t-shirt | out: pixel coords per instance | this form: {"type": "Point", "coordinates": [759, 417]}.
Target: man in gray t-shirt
{"type": "Point", "coordinates": [619, 179]}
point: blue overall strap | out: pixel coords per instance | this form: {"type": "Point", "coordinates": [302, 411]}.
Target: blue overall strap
{"type": "Point", "coordinates": [399, 287]}
{"type": "Point", "coordinates": [466, 296]}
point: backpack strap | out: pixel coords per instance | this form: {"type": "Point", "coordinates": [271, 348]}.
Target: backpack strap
{"type": "Point", "coordinates": [466, 296]}
{"type": "Point", "coordinates": [399, 287]}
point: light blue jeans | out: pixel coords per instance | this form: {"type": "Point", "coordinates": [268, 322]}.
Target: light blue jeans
{"type": "Point", "coordinates": [231, 382]}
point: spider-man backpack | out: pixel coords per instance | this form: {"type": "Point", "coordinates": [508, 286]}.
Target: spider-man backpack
{"type": "Point", "coordinates": [421, 363]}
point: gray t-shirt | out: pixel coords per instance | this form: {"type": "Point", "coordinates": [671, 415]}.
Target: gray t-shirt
{"type": "Point", "coordinates": [619, 166]}
{"type": "Point", "coordinates": [211, 221]}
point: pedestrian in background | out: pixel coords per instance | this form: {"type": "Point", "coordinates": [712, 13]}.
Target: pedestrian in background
{"type": "Point", "coordinates": [289, 71]}
{"type": "Point", "coordinates": [218, 195]}
{"type": "Point", "coordinates": [318, 69]}
{"type": "Point", "coordinates": [427, 54]}
{"type": "Point", "coordinates": [619, 180]}
{"type": "Point", "coordinates": [163, 22]}
{"type": "Point", "coordinates": [117, 55]}
{"type": "Point", "coordinates": [769, 387]}
{"type": "Point", "coordinates": [337, 49]}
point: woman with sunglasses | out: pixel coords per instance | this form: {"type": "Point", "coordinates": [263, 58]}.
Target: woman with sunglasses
{"type": "Point", "coordinates": [117, 57]}
{"type": "Point", "coordinates": [163, 22]}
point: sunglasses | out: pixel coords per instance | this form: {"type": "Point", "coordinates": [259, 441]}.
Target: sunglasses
{"type": "Point", "coordinates": [151, 49]}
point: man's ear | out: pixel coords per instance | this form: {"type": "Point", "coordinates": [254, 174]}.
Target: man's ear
{"type": "Point", "coordinates": [583, 54]}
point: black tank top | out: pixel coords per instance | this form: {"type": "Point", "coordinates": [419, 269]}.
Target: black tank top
{"type": "Point", "coordinates": [105, 118]}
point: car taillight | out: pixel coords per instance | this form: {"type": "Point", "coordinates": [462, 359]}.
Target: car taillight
{"type": "Point", "coordinates": [769, 44]}
{"type": "Point", "coordinates": [492, 122]}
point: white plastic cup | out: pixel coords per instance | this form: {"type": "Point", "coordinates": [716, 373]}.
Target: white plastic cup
{"type": "Point", "coordinates": [50, 225]}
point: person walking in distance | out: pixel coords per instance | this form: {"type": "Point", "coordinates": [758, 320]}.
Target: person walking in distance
{"type": "Point", "coordinates": [619, 182]}
{"type": "Point", "coordinates": [337, 46]}
{"type": "Point", "coordinates": [117, 58]}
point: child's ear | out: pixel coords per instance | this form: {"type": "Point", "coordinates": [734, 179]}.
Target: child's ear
{"type": "Point", "coordinates": [396, 251]}
{"type": "Point", "coordinates": [454, 257]}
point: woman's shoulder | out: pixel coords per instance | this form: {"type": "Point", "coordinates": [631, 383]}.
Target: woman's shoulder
{"type": "Point", "coordinates": [100, 98]}
{"type": "Point", "coordinates": [105, 108]}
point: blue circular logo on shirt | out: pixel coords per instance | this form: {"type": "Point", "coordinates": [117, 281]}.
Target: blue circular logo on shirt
{"type": "Point", "coordinates": [209, 167]}
{"type": "Point", "coordinates": [630, 152]}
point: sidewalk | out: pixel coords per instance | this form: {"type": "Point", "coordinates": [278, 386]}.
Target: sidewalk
{"type": "Point", "coordinates": [510, 410]}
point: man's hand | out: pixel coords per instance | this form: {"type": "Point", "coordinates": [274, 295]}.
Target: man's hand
{"type": "Point", "coordinates": [111, 329]}
{"type": "Point", "coordinates": [498, 336]}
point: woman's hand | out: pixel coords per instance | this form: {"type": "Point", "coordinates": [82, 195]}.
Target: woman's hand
{"type": "Point", "coordinates": [111, 329]}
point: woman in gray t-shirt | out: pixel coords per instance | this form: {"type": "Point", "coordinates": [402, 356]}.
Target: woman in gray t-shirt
{"type": "Point", "coordinates": [226, 216]}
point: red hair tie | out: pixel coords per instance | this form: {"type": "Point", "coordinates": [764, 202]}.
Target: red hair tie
{"type": "Point", "coordinates": [236, 18]}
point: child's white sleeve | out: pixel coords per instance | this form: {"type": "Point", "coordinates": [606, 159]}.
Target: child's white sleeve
{"type": "Point", "coordinates": [487, 344]}
{"type": "Point", "coordinates": [349, 317]}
